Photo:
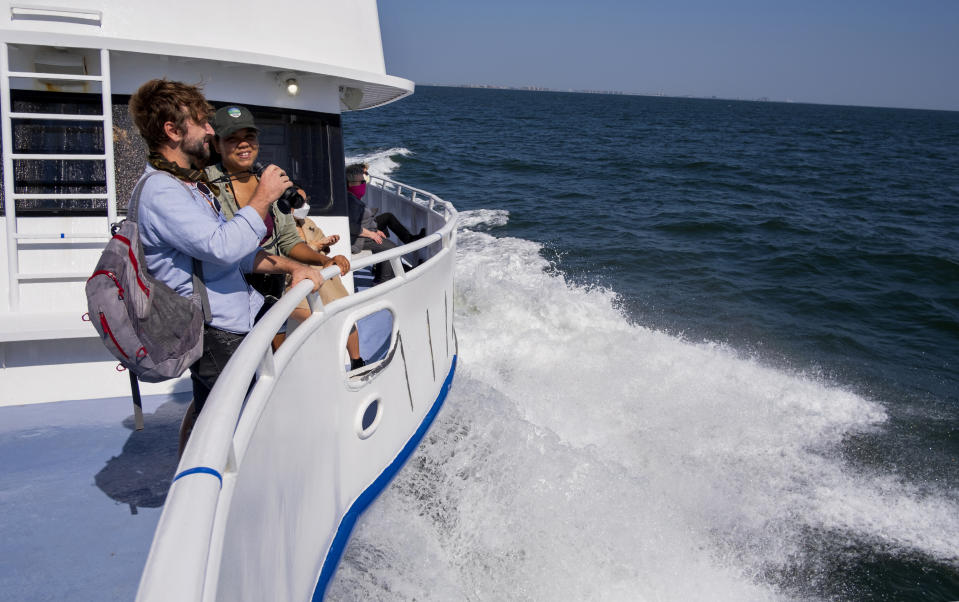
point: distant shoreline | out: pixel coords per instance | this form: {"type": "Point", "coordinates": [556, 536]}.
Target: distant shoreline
{"type": "Point", "coordinates": [664, 95]}
{"type": "Point", "coordinates": [584, 91]}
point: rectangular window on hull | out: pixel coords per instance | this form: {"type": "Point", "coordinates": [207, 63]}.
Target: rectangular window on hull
{"type": "Point", "coordinates": [309, 146]}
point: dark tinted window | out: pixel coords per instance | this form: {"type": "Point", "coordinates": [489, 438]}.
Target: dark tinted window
{"type": "Point", "coordinates": [61, 176]}
{"type": "Point", "coordinates": [308, 145]}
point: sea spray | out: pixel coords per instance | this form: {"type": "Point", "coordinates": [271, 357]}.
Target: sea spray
{"type": "Point", "coordinates": [381, 163]}
{"type": "Point", "coordinates": [582, 456]}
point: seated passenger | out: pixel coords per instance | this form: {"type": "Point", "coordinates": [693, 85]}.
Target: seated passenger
{"type": "Point", "coordinates": [237, 141]}
{"type": "Point", "coordinates": [367, 231]}
{"type": "Point", "coordinates": [387, 221]}
{"type": "Point", "coordinates": [310, 232]}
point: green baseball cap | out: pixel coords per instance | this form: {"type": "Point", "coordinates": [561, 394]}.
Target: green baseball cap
{"type": "Point", "coordinates": [232, 118]}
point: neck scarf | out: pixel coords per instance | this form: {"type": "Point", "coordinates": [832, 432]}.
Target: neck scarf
{"type": "Point", "coordinates": [157, 161]}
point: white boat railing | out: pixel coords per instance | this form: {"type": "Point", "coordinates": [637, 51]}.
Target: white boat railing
{"type": "Point", "coordinates": [275, 475]}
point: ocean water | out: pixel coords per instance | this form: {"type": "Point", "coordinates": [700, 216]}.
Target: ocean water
{"type": "Point", "coordinates": [709, 350]}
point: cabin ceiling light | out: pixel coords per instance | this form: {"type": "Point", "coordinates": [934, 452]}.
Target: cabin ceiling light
{"type": "Point", "coordinates": [287, 81]}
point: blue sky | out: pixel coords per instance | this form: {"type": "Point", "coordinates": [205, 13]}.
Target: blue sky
{"type": "Point", "coordinates": [874, 53]}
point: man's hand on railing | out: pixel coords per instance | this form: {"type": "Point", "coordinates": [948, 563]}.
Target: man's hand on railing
{"type": "Point", "coordinates": [341, 262]}
{"type": "Point", "coordinates": [307, 272]}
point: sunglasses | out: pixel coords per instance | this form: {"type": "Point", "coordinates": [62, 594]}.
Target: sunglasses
{"type": "Point", "coordinates": [209, 195]}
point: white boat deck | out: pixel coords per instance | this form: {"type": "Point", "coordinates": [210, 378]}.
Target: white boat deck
{"type": "Point", "coordinates": [80, 495]}
{"type": "Point", "coordinates": [81, 491]}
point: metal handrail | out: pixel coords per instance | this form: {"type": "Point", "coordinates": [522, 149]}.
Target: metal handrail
{"type": "Point", "coordinates": [274, 319]}
{"type": "Point", "coordinates": [59, 76]}
{"type": "Point", "coordinates": [56, 117]}
{"type": "Point", "coordinates": [57, 157]}
{"type": "Point", "coordinates": [62, 236]}
{"type": "Point", "coordinates": [53, 276]}
{"type": "Point", "coordinates": [60, 195]}
{"type": "Point", "coordinates": [9, 204]}
{"type": "Point", "coordinates": [433, 199]}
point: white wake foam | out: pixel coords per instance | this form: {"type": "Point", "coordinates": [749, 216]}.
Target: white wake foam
{"type": "Point", "coordinates": [581, 457]}
{"type": "Point", "coordinates": [483, 219]}
{"type": "Point", "coordinates": [381, 162]}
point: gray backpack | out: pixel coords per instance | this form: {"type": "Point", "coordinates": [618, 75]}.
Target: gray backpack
{"type": "Point", "coordinates": [155, 333]}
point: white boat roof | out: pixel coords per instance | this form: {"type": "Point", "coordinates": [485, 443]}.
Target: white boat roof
{"type": "Point", "coordinates": [322, 39]}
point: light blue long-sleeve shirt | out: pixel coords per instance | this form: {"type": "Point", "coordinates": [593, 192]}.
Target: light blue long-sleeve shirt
{"type": "Point", "coordinates": [177, 223]}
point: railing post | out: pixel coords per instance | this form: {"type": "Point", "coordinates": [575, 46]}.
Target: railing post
{"type": "Point", "coordinates": [107, 92]}
{"type": "Point", "coordinates": [267, 367]}
{"type": "Point", "coordinates": [9, 203]}
{"type": "Point", "coordinates": [397, 264]}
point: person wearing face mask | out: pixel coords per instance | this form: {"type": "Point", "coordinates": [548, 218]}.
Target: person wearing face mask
{"type": "Point", "coordinates": [236, 139]}
{"type": "Point", "coordinates": [368, 231]}
{"type": "Point", "coordinates": [310, 232]}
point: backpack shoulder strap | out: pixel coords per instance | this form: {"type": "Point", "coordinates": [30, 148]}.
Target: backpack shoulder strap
{"type": "Point", "coordinates": [199, 288]}
{"type": "Point", "coordinates": [134, 204]}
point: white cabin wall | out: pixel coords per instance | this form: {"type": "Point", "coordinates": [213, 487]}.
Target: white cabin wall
{"type": "Point", "coordinates": [43, 371]}
{"type": "Point", "coordinates": [53, 255]}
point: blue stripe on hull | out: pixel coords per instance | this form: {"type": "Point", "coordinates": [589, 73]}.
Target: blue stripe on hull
{"type": "Point", "coordinates": [366, 498]}
{"type": "Point", "coordinates": [200, 470]}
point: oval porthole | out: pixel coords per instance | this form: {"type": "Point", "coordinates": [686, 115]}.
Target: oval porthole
{"type": "Point", "coordinates": [368, 418]}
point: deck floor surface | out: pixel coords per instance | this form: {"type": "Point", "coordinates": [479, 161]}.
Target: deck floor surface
{"type": "Point", "coordinates": [80, 495]}
{"type": "Point", "coordinates": [81, 491]}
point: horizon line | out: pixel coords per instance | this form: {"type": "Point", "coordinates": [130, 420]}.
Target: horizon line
{"type": "Point", "coordinates": [531, 88]}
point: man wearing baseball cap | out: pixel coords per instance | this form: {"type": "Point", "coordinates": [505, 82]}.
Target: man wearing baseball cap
{"type": "Point", "coordinates": [180, 222]}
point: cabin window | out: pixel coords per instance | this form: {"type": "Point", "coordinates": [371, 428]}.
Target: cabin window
{"type": "Point", "coordinates": [31, 136]}
{"type": "Point", "coordinates": [309, 146]}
